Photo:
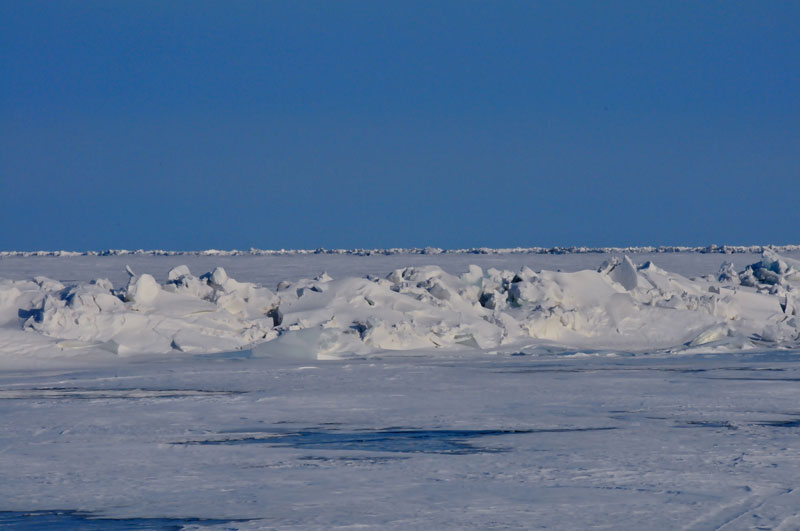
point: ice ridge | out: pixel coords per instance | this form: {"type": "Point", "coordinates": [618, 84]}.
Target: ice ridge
{"type": "Point", "coordinates": [620, 306]}
{"type": "Point", "coordinates": [722, 249]}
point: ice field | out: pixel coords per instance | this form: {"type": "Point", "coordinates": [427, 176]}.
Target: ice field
{"type": "Point", "coordinates": [401, 391]}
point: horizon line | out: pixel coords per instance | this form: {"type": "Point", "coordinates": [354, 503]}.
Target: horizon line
{"type": "Point", "coordinates": [573, 249]}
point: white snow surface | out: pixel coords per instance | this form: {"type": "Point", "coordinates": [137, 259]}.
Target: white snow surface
{"type": "Point", "coordinates": [618, 306]}
{"type": "Point", "coordinates": [447, 391]}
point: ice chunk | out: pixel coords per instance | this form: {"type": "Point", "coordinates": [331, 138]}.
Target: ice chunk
{"type": "Point", "coordinates": [179, 272]}
{"type": "Point", "coordinates": [473, 276]}
{"type": "Point", "coordinates": [711, 334]}
{"type": "Point", "coordinates": [727, 273]}
{"type": "Point", "coordinates": [622, 272]}
{"type": "Point", "coordinates": [772, 270]}
{"type": "Point", "coordinates": [218, 277]}
{"type": "Point", "coordinates": [142, 290]}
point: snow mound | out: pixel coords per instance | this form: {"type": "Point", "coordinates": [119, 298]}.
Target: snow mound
{"type": "Point", "coordinates": [773, 270]}
{"type": "Point", "coordinates": [620, 306]}
{"type": "Point", "coordinates": [188, 314]}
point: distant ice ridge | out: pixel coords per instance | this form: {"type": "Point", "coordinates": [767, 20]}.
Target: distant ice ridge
{"type": "Point", "coordinates": [621, 306]}
{"type": "Point", "coordinates": [723, 249]}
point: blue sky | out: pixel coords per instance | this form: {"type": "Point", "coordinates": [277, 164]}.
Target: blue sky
{"type": "Point", "coordinates": [194, 125]}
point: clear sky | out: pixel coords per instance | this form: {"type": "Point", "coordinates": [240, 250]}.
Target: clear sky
{"type": "Point", "coordinates": [195, 125]}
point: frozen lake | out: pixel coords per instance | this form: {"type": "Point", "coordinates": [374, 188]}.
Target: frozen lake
{"type": "Point", "coordinates": [549, 437]}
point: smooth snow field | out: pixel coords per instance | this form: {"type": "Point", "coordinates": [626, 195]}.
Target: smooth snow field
{"type": "Point", "coordinates": [447, 391]}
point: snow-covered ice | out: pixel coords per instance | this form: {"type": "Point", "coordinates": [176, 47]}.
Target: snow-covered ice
{"type": "Point", "coordinates": [618, 305]}
{"type": "Point", "coordinates": [401, 391]}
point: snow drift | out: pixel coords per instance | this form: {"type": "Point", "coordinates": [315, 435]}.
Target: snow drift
{"type": "Point", "coordinates": [619, 306]}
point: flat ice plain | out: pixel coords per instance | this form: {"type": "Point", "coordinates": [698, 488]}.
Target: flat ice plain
{"type": "Point", "coordinates": [614, 393]}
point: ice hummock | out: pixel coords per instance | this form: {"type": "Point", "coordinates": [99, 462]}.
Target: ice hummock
{"type": "Point", "coordinates": [619, 306]}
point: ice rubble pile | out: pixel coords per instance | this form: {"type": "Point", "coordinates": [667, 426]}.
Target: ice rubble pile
{"type": "Point", "coordinates": [618, 306]}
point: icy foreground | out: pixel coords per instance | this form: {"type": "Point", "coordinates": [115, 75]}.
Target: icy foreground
{"type": "Point", "coordinates": [620, 306]}
{"type": "Point", "coordinates": [611, 397]}
{"type": "Point", "coordinates": [509, 442]}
